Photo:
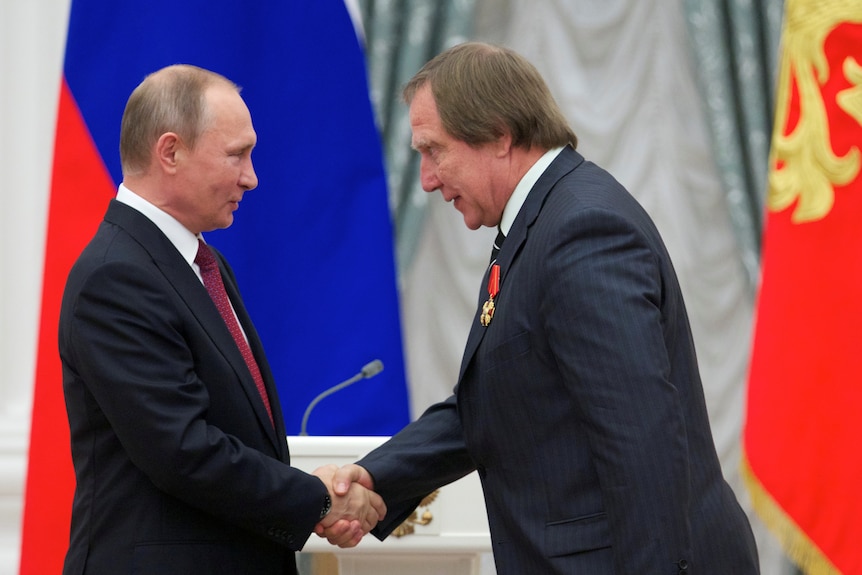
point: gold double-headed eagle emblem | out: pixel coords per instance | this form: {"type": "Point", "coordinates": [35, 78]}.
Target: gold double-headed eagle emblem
{"type": "Point", "coordinates": [803, 162]}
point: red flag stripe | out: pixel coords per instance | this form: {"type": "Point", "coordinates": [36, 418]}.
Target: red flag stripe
{"type": "Point", "coordinates": [79, 191]}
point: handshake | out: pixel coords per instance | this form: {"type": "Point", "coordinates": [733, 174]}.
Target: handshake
{"type": "Point", "coordinates": [355, 510]}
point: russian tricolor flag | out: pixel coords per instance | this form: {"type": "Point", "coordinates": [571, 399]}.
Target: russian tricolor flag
{"type": "Point", "coordinates": [312, 246]}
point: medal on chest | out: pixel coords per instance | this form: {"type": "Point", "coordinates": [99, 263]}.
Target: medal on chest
{"type": "Point", "coordinates": [493, 290]}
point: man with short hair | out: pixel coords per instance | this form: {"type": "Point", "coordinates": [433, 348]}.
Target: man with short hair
{"type": "Point", "coordinates": [178, 440]}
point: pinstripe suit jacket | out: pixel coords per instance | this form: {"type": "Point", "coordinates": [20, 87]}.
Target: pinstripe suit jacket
{"type": "Point", "coordinates": [580, 405]}
{"type": "Point", "coordinates": [179, 470]}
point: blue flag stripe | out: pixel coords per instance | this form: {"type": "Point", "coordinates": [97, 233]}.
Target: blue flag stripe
{"type": "Point", "coordinates": [312, 246]}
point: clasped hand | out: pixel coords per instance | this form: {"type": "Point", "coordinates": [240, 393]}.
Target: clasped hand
{"type": "Point", "coordinates": [356, 509]}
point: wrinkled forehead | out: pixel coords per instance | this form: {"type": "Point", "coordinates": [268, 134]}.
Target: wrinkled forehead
{"type": "Point", "coordinates": [427, 129]}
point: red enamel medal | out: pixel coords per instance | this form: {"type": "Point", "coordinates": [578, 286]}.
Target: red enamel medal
{"type": "Point", "coordinates": [493, 290]}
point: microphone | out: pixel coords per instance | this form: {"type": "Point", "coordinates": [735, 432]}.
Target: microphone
{"type": "Point", "coordinates": [368, 370]}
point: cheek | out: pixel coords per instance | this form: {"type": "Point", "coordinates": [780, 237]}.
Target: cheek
{"type": "Point", "coordinates": [453, 174]}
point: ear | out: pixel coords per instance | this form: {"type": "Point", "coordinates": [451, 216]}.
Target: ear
{"type": "Point", "coordinates": [503, 144]}
{"type": "Point", "coordinates": [169, 148]}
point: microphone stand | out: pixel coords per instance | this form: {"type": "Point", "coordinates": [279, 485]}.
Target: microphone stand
{"type": "Point", "coordinates": [368, 370]}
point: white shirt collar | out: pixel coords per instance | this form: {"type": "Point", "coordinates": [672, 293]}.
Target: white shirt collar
{"type": "Point", "coordinates": [522, 190]}
{"type": "Point", "coordinates": [182, 239]}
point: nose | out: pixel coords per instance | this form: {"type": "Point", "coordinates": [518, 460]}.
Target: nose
{"type": "Point", "coordinates": [428, 175]}
{"type": "Point", "coordinates": [248, 177]}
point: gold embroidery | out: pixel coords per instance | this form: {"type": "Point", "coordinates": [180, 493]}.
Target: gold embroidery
{"type": "Point", "coordinates": [409, 525]}
{"type": "Point", "coordinates": [804, 166]}
{"type": "Point", "coordinates": [850, 99]}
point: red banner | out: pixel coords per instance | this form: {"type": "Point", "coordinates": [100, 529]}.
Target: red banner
{"type": "Point", "coordinates": [80, 190]}
{"type": "Point", "coordinates": [804, 420]}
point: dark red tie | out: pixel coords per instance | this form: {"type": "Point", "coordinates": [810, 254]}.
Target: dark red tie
{"type": "Point", "coordinates": [215, 286]}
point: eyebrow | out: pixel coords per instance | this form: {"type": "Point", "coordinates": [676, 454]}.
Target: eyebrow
{"type": "Point", "coordinates": [240, 148]}
{"type": "Point", "coordinates": [420, 144]}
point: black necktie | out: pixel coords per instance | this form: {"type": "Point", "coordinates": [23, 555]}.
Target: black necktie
{"type": "Point", "coordinates": [498, 243]}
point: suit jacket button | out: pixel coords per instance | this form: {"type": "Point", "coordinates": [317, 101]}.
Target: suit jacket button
{"type": "Point", "coordinates": [683, 566]}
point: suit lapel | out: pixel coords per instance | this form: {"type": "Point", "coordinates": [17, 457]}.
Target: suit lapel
{"type": "Point", "coordinates": [257, 350]}
{"type": "Point", "coordinates": [564, 163]}
{"type": "Point", "coordinates": [192, 291]}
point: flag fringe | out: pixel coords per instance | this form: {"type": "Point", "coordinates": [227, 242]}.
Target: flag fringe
{"type": "Point", "coordinates": [795, 542]}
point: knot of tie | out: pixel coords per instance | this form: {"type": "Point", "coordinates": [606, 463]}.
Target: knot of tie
{"type": "Point", "coordinates": [205, 258]}
{"type": "Point", "coordinates": [498, 243]}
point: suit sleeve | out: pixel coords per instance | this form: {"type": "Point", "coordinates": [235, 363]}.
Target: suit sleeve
{"type": "Point", "coordinates": [426, 455]}
{"type": "Point", "coordinates": [603, 312]}
{"type": "Point", "coordinates": [131, 346]}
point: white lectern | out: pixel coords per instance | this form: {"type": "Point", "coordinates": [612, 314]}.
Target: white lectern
{"type": "Point", "coordinates": [448, 535]}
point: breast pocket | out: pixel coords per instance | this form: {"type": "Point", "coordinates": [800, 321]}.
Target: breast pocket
{"type": "Point", "coordinates": [508, 351]}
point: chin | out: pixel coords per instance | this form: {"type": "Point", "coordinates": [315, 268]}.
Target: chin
{"type": "Point", "coordinates": [472, 225]}
{"type": "Point", "coordinates": [469, 222]}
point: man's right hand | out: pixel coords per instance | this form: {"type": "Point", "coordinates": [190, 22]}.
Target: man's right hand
{"type": "Point", "coordinates": [356, 509]}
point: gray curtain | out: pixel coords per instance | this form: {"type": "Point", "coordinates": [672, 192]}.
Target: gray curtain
{"type": "Point", "coordinates": [400, 36]}
{"type": "Point", "coordinates": [735, 45]}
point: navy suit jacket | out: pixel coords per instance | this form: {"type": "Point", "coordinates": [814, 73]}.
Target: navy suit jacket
{"type": "Point", "coordinates": [178, 468]}
{"type": "Point", "coordinates": [580, 405]}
